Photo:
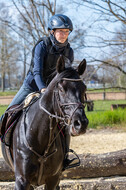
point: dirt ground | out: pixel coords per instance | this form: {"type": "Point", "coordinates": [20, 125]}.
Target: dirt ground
{"type": "Point", "coordinates": [94, 142]}
{"type": "Point", "coordinates": [98, 141]}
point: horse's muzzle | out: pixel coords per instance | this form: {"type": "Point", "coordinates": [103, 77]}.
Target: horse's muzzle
{"type": "Point", "coordinates": [78, 125]}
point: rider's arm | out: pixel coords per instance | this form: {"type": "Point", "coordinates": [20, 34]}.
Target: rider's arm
{"type": "Point", "coordinates": [39, 54]}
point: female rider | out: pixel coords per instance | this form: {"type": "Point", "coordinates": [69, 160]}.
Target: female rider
{"type": "Point", "coordinates": [44, 58]}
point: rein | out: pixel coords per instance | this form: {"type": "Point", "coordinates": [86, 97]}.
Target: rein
{"type": "Point", "coordinates": [72, 80]}
{"type": "Point", "coordinates": [51, 115]}
{"type": "Point", "coordinates": [65, 123]}
{"type": "Point", "coordinates": [63, 118]}
{"type": "Point", "coordinates": [43, 158]}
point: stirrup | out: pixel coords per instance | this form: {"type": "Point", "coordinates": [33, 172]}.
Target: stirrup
{"type": "Point", "coordinates": [69, 165]}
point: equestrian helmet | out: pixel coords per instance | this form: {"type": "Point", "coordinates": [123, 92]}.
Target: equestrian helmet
{"type": "Point", "coordinates": [60, 21]}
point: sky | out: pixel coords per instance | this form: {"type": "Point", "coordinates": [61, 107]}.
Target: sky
{"type": "Point", "coordinates": [84, 18]}
{"type": "Point", "coordinates": [76, 14]}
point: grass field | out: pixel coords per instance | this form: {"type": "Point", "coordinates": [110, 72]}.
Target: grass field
{"type": "Point", "coordinates": [8, 93]}
{"type": "Point", "coordinates": [109, 118]}
{"type": "Point", "coordinates": [2, 109]}
{"type": "Point", "coordinates": [102, 115]}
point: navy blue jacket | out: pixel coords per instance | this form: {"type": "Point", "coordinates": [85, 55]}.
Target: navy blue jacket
{"type": "Point", "coordinates": [35, 79]}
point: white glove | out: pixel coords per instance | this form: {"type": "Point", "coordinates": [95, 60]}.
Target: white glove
{"type": "Point", "coordinates": [43, 90]}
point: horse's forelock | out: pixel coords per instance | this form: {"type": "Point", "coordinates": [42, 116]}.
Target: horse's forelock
{"type": "Point", "coordinates": [67, 73]}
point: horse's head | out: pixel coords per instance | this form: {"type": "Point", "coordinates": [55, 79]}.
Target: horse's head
{"type": "Point", "coordinates": [70, 94]}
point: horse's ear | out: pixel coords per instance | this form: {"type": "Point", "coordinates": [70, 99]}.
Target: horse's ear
{"type": "Point", "coordinates": [60, 66]}
{"type": "Point", "coordinates": [82, 66]}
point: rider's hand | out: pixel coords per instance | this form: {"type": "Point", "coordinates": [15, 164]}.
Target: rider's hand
{"type": "Point", "coordinates": [43, 90]}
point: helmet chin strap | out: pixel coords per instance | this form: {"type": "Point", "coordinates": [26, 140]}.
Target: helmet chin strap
{"type": "Point", "coordinates": [51, 32]}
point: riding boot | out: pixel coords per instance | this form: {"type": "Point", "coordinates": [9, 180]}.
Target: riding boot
{"type": "Point", "coordinates": [69, 163]}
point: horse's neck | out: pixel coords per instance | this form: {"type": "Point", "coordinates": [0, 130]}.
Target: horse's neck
{"type": "Point", "coordinates": [40, 122]}
{"type": "Point", "coordinates": [46, 102]}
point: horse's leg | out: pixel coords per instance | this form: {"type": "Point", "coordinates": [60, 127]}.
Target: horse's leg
{"type": "Point", "coordinates": [52, 183]}
{"type": "Point", "coordinates": [58, 187]}
{"type": "Point", "coordinates": [31, 188]}
{"type": "Point", "coordinates": [21, 184]}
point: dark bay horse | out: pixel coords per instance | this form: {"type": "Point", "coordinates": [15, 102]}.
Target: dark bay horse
{"type": "Point", "coordinates": [37, 147]}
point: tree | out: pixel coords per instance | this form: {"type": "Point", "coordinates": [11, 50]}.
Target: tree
{"type": "Point", "coordinates": [33, 16]}
{"type": "Point", "coordinates": [32, 23]}
{"type": "Point", "coordinates": [8, 52]}
{"type": "Point", "coordinates": [107, 33]}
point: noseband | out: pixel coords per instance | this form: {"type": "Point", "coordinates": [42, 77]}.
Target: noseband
{"type": "Point", "coordinates": [79, 105]}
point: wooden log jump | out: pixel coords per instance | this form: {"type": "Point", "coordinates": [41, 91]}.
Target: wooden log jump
{"type": "Point", "coordinates": [113, 183]}
{"type": "Point", "coordinates": [98, 165]}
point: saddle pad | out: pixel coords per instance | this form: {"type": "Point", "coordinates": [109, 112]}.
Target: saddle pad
{"type": "Point", "coordinates": [6, 138]}
{"type": "Point", "coordinates": [12, 115]}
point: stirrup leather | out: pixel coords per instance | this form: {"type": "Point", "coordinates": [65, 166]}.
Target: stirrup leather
{"type": "Point", "coordinates": [77, 160]}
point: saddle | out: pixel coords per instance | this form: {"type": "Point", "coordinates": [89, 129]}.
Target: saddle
{"type": "Point", "coordinates": [10, 119]}
{"type": "Point", "coordinates": [12, 115]}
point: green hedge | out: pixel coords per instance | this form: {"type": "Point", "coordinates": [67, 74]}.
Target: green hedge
{"type": "Point", "coordinates": [106, 118]}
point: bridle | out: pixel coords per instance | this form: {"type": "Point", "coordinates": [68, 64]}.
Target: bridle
{"type": "Point", "coordinates": [79, 105]}
{"type": "Point", "coordinates": [65, 120]}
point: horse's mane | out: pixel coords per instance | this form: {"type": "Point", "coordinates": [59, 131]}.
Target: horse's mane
{"type": "Point", "coordinates": [67, 73]}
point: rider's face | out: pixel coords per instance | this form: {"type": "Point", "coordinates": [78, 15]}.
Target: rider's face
{"type": "Point", "coordinates": [61, 35]}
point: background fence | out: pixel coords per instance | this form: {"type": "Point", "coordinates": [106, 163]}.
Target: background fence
{"type": "Point", "coordinates": [106, 96]}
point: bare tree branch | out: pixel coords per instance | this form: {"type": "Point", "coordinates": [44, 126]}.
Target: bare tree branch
{"type": "Point", "coordinates": [117, 15]}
